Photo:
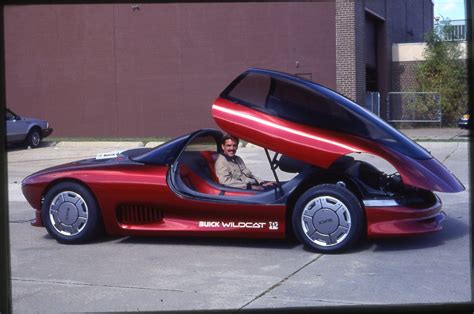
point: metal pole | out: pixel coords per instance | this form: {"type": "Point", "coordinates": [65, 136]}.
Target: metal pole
{"type": "Point", "coordinates": [388, 106]}
{"type": "Point", "coordinates": [5, 270]}
{"type": "Point", "coordinates": [278, 187]}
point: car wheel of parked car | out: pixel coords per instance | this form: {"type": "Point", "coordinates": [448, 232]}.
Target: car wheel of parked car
{"type": "Point", "coordinates": [70, 213]}
{"type": "Point", "coordinates": [34, 138]}
{"type": "Point", "coordinates": [328, 218]}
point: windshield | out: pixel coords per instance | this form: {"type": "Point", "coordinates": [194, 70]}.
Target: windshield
{"type": "Point", "coordinates": [302, 101]}
{"type": "Point", "coordinates": [9, 115]}
{"type": "Point", "coordinates": [163, 154]}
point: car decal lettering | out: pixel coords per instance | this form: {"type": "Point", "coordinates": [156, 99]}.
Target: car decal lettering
{"type": "Point", "coordinates": [209, 224]}
{"type": "Point", "coordinates": [272, 225]}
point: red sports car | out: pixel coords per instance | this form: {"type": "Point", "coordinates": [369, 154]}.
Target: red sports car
{"type": "Point", "coordinates": [331, 201]}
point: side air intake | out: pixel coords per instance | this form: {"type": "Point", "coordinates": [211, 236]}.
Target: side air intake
{"type": "Point", "coordinates": [138, 214]}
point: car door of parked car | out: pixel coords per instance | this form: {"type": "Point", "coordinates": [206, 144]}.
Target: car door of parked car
{"type": "Point", "coordinates": [16, 128]}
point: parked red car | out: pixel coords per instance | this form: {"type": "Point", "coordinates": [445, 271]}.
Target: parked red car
{"type": "Point", "coordinates": [330, 203]}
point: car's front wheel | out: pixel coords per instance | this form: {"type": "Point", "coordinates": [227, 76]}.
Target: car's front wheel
{"type": "Point", "coordinates": [34, 138]}
{"type": "Point", "coordinates": [70, 213]}
{"type": "Point", "coordinates": [328, 218]}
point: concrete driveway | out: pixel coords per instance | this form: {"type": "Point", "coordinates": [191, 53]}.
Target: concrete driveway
{"type": "Point", "coordinates": [139, 274]}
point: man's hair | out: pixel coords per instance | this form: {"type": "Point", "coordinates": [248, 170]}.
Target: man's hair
{"type": "Point", "coordinates": [229, 137]}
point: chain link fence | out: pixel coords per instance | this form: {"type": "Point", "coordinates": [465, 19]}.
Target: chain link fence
{"type": "Point", "coordinates": [414, 107]}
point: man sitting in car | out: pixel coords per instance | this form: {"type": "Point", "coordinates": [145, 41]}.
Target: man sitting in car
{"type": "Point", "coordinates": [231, 169]}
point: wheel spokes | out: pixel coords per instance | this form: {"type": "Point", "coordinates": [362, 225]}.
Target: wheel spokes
{"type": "Point", "coordinates": [68, 213]}
{"type": "Point", "coordinates": [319, 237]}
{"type": "Point", "coordinates": [340, 231]}
{"type": "Point", "coordinates": [326, 221]}
{"type": "Point", "coordinates": [344, 218]}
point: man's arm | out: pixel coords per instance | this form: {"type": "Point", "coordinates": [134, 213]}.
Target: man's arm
{"type": "Point", "coordinates": [247, 171]}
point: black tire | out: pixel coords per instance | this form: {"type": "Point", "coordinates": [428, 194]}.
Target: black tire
{"type": "Point", "coordinates": [33, 139]}
{"type": "Point", "coordinates": [328, 218]}
{"type": "Point", "coordinates": [70, 213]}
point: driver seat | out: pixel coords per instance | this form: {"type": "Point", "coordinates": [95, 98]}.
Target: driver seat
{"type": "Point", "coordinates": [198, 172]}
{"type": "Point", "coordinates": [210, 157]}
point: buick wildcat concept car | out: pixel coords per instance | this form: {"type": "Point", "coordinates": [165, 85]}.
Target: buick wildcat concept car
{"type": "Point", "coordinates": [305, 129]}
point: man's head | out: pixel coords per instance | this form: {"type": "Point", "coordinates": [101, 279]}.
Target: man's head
{"type": "Point", "coordinates": [229, 145]}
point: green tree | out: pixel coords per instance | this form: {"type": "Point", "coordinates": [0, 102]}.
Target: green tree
{"type": "Point", "coordinates": [444, 71]}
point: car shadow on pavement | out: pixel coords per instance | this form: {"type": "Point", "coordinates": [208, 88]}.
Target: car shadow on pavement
{"type": "Point", "coordinates": [452, 229]}
{"type": "Point", "coordinates": [360, 246]}
{"type": "Point", "coordinates": [283, 244]}
{"type": "Point", "coordinates": [204, 241]}
{"type": "Point", "coordinates": [99, 240]}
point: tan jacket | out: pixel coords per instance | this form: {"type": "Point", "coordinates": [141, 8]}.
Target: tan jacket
{"type": "Point", "coordinates": [233, 172]}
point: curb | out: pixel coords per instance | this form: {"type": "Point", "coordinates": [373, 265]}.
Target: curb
{"type": "Point", "coordinates": [417, 135]}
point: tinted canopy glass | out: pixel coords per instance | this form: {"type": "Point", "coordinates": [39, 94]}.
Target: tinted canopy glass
{"type": "Point", "coordinates": [302, 101]}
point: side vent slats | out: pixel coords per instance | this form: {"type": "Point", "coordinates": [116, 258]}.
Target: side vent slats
{"type": "Point", "coordinates": [138, 214]}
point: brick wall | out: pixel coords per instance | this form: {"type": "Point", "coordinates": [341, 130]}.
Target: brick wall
{"type": "Point", "coordinates": [360, 51]}
{"type": "Point", "coordinates": [404, 76]}
{"type": "Point", "coordinates": [349, 49]}
{"type": "Point", "coordinates": [110, 70]}
{"type": "Point", "coordinates": [397, 21]}
{"type": "Point", "coordinates": [345, 48]}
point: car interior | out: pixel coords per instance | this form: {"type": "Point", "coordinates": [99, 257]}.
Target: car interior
{"type": "Point", "coordinates": [194, 174]}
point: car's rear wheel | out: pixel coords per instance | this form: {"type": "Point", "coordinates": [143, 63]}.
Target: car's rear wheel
{"type": "Point", "coordinates": [328, 218]}
{"type": "Point", "coordinates": [34, 138]}
{"type": "Point", "coordinates": [70, 213]}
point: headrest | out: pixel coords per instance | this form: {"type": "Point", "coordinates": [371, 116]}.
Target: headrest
{"type": "Point", "coordinates": [291, 165]}
{"type": "Point", "coordinates": [210, 156]}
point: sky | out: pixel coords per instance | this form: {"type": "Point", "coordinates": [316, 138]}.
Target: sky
{"type": "Point", "coordinates": [452, 9]}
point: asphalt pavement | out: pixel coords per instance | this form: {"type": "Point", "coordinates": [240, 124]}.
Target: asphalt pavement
{"type": "Point", "coordinates": [437, 134]}
{"type": "Point", "coordinates": [143, 274]}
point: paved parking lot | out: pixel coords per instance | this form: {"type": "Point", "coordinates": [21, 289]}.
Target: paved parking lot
{"type": "Point", "coordinates": [130, 274]}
